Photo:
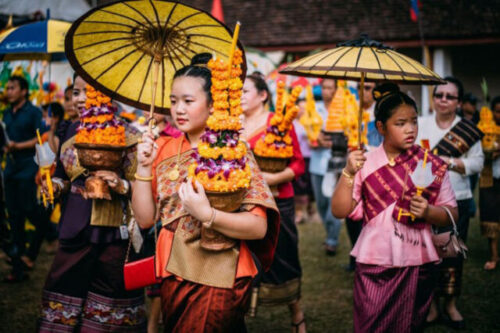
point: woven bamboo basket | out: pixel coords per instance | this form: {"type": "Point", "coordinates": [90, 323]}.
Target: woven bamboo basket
{"type": "Point", "coordinates": [271, 164]}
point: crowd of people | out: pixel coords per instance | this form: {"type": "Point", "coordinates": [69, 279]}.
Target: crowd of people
{"type": "Point", "coordinates": [399, 278]}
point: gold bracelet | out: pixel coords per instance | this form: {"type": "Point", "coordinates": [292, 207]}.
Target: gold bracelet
{"type": "Point", "coordinates": [208, 224]}
{"type": "Point", "coordinates": [144, 179]}
{"type": "Point", "coordinates": [350, 178]}
{"type": "Point", "coordinates": [347, 174]}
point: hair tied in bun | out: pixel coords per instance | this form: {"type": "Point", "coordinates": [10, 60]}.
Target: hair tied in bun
{"type": "Point", "coordinates": [201, 59]}
{"type": "Point", "coordinates": [389, 98]}
{"type": "Point", "coordinates": [200, 65]}
{"type": "Point", "coordinates": [378, 95]}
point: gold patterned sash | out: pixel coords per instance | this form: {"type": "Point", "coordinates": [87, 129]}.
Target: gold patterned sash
{"type": "Point", "coordinates": [188, 259]}
{"type": "Point", "coordinates": [105, 213]}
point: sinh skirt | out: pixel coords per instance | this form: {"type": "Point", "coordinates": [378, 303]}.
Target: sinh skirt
{"type": "Point", "coordinates": [282, 283]}
{"type": "Point", "coordinates": [489, 209]}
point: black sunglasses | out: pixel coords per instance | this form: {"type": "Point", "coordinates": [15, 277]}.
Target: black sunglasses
{"type": "Point", "coordinates": [447, 97]}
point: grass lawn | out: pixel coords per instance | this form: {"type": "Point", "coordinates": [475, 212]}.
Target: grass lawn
{"type": "Point", "coordinates": [327, 291]}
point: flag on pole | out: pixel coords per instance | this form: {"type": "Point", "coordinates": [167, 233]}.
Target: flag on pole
{"type": "Point", "coordinates": [217, 10]}
{"type": "Point", "coordinates": [414, 10]}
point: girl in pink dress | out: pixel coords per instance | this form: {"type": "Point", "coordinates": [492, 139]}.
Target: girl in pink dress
{"type": "Point", "coordinates": [394, 253]}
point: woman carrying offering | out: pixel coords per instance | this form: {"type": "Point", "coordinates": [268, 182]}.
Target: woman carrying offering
{"type": "Point", "coordinates": [489, 184]}
{"type": "Point", "coordinates": [394, 253]}
{"type": "Point", "coordinates": [84, 290]}
{"type": "Point", "coordinates": [457, 141]}
{"type": "Point", "coordinates": [202, 290]}
{"type": "Point", "coordinates": [281, 285]}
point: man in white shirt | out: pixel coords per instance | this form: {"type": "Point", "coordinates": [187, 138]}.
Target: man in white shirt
{"type": "Point", "coordinates": [318, 167]}
{"type": "Point", "coordinates": [439, 130]}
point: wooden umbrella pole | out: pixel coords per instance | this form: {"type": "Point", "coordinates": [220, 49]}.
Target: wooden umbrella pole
{"type": "Point", "coordinates": [360, 112]}
{"type": "Point", "coordinates": [156, 69]}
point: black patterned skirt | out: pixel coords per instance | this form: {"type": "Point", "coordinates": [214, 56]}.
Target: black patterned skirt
{"type": "Point", "coordinates": [281, 284]}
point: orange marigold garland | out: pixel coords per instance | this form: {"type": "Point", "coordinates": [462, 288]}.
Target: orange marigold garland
{"type": "Point", "coordinates": [277, 141]}
{"type": "Point", "coordinates": [98, 124]}
{"type": "Point", "coordinates": [221, 164]}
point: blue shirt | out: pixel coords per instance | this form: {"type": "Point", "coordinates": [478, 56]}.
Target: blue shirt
{"type": "Point", "coordinates": [373, 136]}
{"type": "Point", "coordinates": [320, 156]}
{"type": "Point", "coordinates": [21, 126]}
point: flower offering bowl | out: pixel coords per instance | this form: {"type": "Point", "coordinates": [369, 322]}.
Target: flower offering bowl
{"type": "Point", "coordinates": [271, 164]}
{"type": "Point", "coordinates": [99, 157]}
{"type": "Point", "coordinates": [228, 202]}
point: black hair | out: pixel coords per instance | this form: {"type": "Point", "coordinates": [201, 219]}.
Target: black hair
{"type": "Point", "coordinates": [334, 82]}
{"type": "Point", "coordinates": [260, 84]}
{"type": "Point", "coordinates": [470, 98]}
{"type": "Point", "coordinates": [55, 110]}
{"type": "Point", "coordinates": [197, 69]}
{"type": "Point", "coordinates": [457, 83]}
{"type": "Point", "coordinates": [68, 88]}
{"type": "Point", "coordinates": [388, 98]}
{"type": "Point", "coordinates": [75, 75]}
{"type": "Point", "coordinates": [21, 81]}
{"type": "Point", "coordinates": [495, 101]}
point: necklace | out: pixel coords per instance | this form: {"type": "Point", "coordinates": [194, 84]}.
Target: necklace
{"type": "Point", "coordinates": [174, 174]}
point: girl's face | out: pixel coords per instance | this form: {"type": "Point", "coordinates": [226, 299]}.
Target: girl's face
{"type": "Point", "coordinates": [401, 129]}
{"type": "Point", "coordinates": [189, 104]}
{"type": "Point", "coordinates": [251, 98]}
{"type": "Point", "coordinates": [79, 94]}
{"type": "Point", "coordinates": [446, 99]}
{"type": "Point", "coordinates": [68, 105]}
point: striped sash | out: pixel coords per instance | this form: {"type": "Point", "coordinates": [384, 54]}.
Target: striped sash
{"type": "Point", "coordinates": [390, 184]}
{"type": "Point", "coordinates": [459, 139]}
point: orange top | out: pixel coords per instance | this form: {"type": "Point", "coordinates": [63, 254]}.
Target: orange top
{"type": "Point", "coordinates": [168, 147]}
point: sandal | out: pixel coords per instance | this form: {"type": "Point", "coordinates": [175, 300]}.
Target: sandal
{"type": "Point", "coordinates": [295, 326]}
{"type": "Point", "coordinates": [490, 265]}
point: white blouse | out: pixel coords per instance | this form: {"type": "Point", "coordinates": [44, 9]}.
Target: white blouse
{"type": "Point", "coordinates": [473, 159]}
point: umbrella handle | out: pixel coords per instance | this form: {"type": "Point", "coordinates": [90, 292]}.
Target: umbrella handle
{"type": "Point", "coordinates": [156, 69]}
{"type": "Point", "coordinates": [360, 112]}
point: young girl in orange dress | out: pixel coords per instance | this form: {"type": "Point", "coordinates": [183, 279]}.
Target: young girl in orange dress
{"type": "Point", "coordinates": [201, 291]}
{"type": "Point", "coordinates": [393, 282]}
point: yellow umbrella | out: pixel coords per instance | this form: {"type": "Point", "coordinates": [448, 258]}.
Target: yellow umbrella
{"type": "Point", "coordinates": [131, 49]}
{"type": "Point", "coordinates": [363, 60]}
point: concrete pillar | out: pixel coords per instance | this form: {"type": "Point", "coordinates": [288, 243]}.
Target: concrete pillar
{"type": "Point", "coordinates": [441, 65]}
{"type": "Point", "coordinates": [442, 62]}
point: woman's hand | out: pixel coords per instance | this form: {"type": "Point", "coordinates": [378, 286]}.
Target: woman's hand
{"type": "Point", "coordinates": [195, 201]}
{"type": "Point", "coordinates": [56, 189]}
{"type": "Point", "coordinates": [324, 141]}
{"type": "Point", "coordinates": [146, 150]}
{"type": "Point", "coordinates": [269, 178]}
{"type": "Point", "coordinates": [445, 159]}
{"type": "Point", "coordinates": [113, 180]}
{"type": "Point", "coordinates": [355, 161]}
{"type": "Point", "coordinates": [419, 207]}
